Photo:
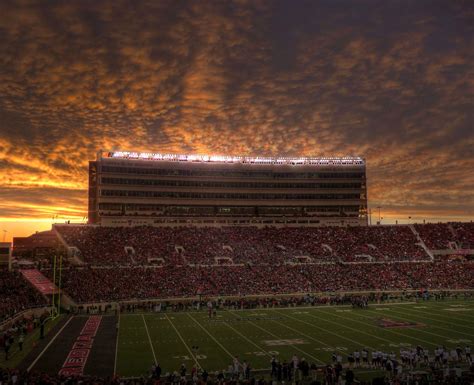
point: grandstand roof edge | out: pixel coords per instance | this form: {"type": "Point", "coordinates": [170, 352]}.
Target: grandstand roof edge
{"type": "Point", "coordinates": [304, 160]}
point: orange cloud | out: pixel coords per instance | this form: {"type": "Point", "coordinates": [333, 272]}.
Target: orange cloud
{"type": "Point", "coordinates": [245, 77]}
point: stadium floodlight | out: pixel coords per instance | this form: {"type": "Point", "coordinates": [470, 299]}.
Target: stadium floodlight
{"type": "Point", "coordinates": [321, 161]}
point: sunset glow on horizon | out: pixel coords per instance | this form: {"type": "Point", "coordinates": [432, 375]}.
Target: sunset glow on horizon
{"type": "Point", "coordinates": [392, 82]}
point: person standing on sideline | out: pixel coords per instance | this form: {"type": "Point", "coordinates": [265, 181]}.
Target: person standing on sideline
{"type": "Point", "coordinates": [20, 342]}
{"type": "Point", "coordinates": [6, 346]}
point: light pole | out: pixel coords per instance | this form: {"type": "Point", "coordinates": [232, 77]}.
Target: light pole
{"type": "Point", "coordinates": [379, 214]}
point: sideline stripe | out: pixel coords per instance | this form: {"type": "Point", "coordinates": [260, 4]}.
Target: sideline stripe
{"type": "Point", "coordinates": [116, 344]}
{"type": "Point", "coordinates": [213, 338]}
{"type": "Point", "coordinates": [329, 307]}
{"type": "Point", "coordinates": [322, 306]}
{"type": "Point", "coordinates": [48, 345]}
{"type": "Point", "coordinates": [149, 339]}
{"type": "Point", "coordinates": [184, 343]}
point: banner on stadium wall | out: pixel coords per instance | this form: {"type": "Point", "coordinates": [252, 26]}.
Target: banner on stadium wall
{"type": "Point", "coordinates": [38, 280]}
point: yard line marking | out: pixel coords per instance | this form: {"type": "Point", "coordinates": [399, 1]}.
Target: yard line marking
{"type": "Point", "coordinates": [149, 339]}
{"type": "Point", "coordinates": [184, 343]}
{"type": "Point", "coordinates": [116, 343]}
{"type": "Point", "coordinates": [338, 335]}
{"type": "Point", "coordinates": [451, 316]}
{"type": "Point", "coordinates": [386, 329]}
{"type": "Point", "coordinates": [310, 337]}
{"type": "Point", "coordinates": [442, 315]}
{"type": "Point", "coordinates": [433, 304]}
{"type": "Point", "coordinates": [210, 335]}
{"type": "Point", "coordinates": [425, 331]}
{"type": "Point", "coordinates": [249, 340]}
{"type": "Point", "coordinates": [48, 345]}
{"type": "Point", "coordinates": [348, 327]}
{"type": "Point", "coordinates": [294, 346]}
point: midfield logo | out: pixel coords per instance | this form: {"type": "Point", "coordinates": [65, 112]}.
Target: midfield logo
{"type": "Point", "coordinates": [390, 323]}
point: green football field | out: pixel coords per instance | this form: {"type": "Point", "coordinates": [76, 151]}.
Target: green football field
{"type": "Point", "coordinates": [313, 333]}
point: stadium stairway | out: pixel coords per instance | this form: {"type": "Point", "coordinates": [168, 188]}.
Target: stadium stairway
{"type": "Point", "coordinates": [130, 252]}
{"type": "Point", "coordinates": [455, 235]}
{"type": "Point", "coordinates": [337, 258]}
{"type": "Point", "coordinates": [180, 250]}
{"type": "Point", "coordinates": [73, 253]}
{"type": "Point", "coordinates": [421, 243]}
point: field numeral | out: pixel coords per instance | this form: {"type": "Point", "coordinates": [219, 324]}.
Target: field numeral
{"type": "Point", "coordinates": [187, 358]}
{"type": "Point", "coordinates": [331, 349]}
{"type": "Point", "coordinates": [261, 353]}
{"type": "Point", "coordinates": [459, 341]}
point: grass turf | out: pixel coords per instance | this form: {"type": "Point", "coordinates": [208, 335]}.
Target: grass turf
{"type": "Point", "coordinates": [313, 333]}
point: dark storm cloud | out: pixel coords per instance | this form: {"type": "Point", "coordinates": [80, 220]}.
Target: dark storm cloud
{"type": "Point", "coordinates": [392, 81]}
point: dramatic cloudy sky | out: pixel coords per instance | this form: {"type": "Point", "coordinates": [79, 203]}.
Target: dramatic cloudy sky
{"type": "Point", "coordinates": [392, 81]}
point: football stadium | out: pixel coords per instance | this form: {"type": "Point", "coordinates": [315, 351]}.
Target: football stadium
{"type": "Point", "coordinates": [229, 269]}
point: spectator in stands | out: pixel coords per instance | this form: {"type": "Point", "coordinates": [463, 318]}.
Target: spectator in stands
{"type": "Point", "coordinates": [17, 294]}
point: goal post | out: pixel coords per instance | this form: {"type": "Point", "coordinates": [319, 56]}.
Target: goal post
{"type": "Point", "coordinates": [56, 296]}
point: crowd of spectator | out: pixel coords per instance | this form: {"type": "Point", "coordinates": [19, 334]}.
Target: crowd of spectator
{"type": "Point", "coordinates": [241, 245]}
{"type": "Point", "coordinates": [381, 243]}
{"type": "Point", "coordinates": [441, 236]}
{"type": "Point", "coordinates": [393, 369]}
{"type": "Point", "coordinates": [13, 334]}
{"type": "Point", "coordinates": [437, 236]}
{"type": "Point", "coordinates": [465, 234]}
{"type": "Point", "coordinates": [16, 294]}
{"type": "Point", "coordinates": [88, 284]}
{"type": "Point", "coordinates": [245, 261]}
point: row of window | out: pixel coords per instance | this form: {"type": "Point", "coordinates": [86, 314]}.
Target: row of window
{"type": "Point", "coordinates": [231, 173]}
{"type": "Point", "coordinates": [192, 183]}
{"type": "Point", "coordinates": [227, 209]}
{"type": "Point", "coordinates": [229, 195]}
{"type": "Point", "coordinates": [344, 214]}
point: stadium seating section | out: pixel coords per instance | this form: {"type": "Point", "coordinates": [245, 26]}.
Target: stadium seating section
{"type": "Point", "coordinates": [17, 294]}
{"type": "Point", "coordinates": [242, 245]}
{"type": "Point", "coordinates": [436, 236]}
{"type": "Point", "coordinates": [246, 260]}
{"type": "Point", "coordinates": [150, 262]}
{"type": "Point", "coordinates": [465, 234]}
{"type": "Point", "coordinates": [112, 284]}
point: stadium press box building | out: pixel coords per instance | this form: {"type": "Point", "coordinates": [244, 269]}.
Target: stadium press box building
{"type": "Point", "coordinates": [130, 188]}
